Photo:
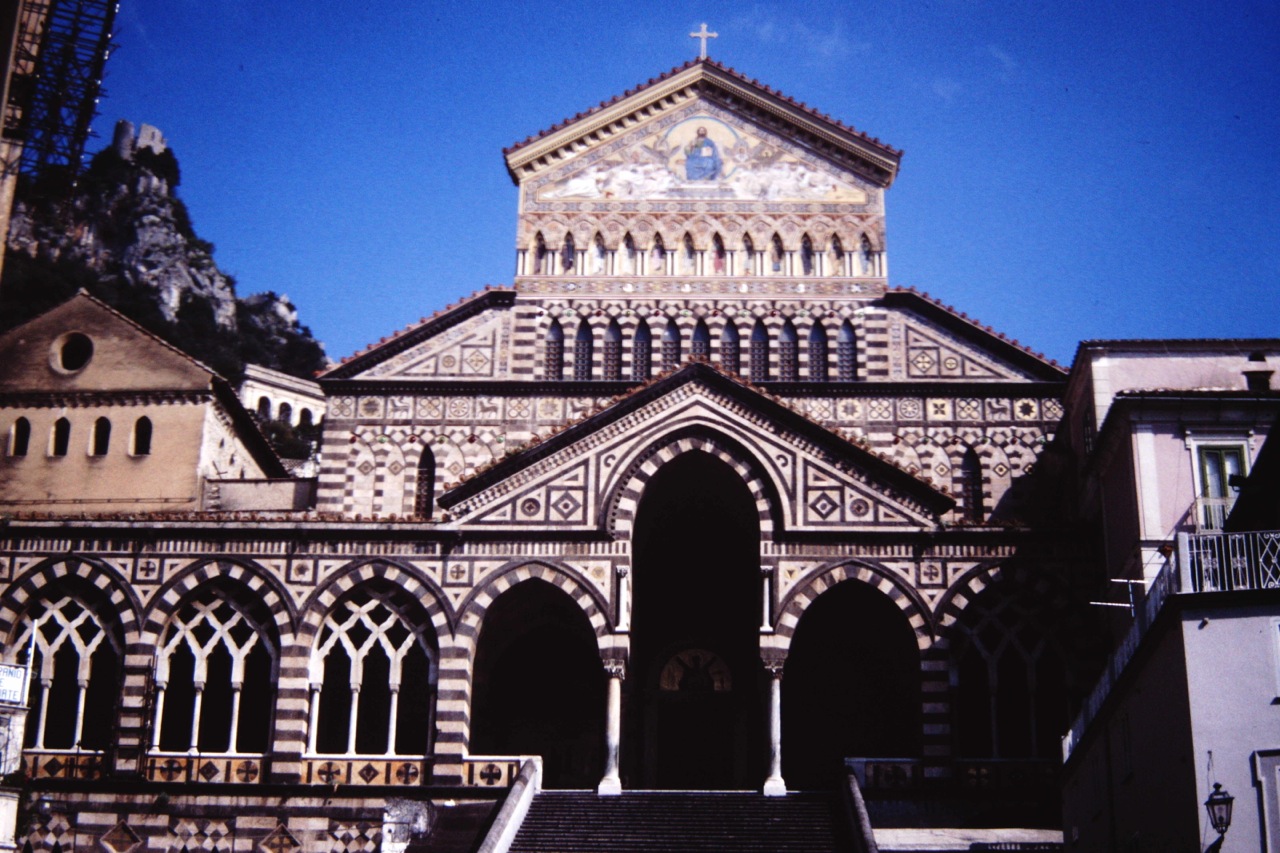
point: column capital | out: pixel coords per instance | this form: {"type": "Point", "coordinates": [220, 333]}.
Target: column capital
{"type": "Point", "coordinates": [622, 571]}
{"type": "Point", "coordinates": [615, 669]}
{"type": "Point", "coordinates": [774, 668]}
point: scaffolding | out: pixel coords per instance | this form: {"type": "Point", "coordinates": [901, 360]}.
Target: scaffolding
{"type": "Point", "coordinates": [57, 52]}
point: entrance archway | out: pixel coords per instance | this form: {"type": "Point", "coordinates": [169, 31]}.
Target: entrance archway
{"type": "Point", "coordinates": [851, 687]}
{"type": "Point", "coordinates": [539, 686]}
{"type": "Point", "coordinates": [696, 691]}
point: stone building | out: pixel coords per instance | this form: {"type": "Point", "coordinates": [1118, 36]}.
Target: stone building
{"type": "Point", "coordinates": [698, 502]}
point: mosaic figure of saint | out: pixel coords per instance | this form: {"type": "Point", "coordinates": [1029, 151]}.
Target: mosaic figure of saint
{"type": "Point", "coordinates": [702, 158]}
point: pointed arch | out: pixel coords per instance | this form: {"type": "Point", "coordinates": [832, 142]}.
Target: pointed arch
{"type": "Point", "coordinates": [700, 344]}
{"type": "Point", "coordinates": [424, 496]}
{"type": "Point", "coordinates": [777, 256]}
{"type": "Point", "coordinates": [846, 354]}
{"type": "Point", "coordinates": [553, 355]}
{"type": "Point", "coordinates": [818, 352]}
{"type": "Point", "coordinates": [60, 437]}
{"type": "Point", "coordinates": [20, 437]}
{"type": "Point", "coordinates": [719, 257]}
{"type": "Point", "coordinates": [749, 266]}
{"type": "Point", "coordinates": [688, 255]}
{"type": "Point", "coordinates": [641, 352]}
{"type": "Point", "coordinates": [808, 259]}
{"type": "Point", "coordinates": [759, 351]}
{"type": "Point", "coordinates": [671, 346]}
{"type": "Point", "coordinates": [582, 351]}
{"type": "Point", "coordinates": [969, 481]}
{"type": "Point", "coordinates": [599, 256]}
{"type": "Point", "coordinates": [730, 348]}
{"type": "Point", "coordinates": [788, 352]}
{"type": "Point", "coordinates": [658, 257]}
{"type": "Point", "coordinates": [629, 256]}
{"type": "Point", "coordinates": [101, 437]}
{"type": "Point", "coordinates": [836, 258]}
{"type": "Point", "coordinates": [568, 254]}
{"type": "Point", "coordinates": [612, 362]}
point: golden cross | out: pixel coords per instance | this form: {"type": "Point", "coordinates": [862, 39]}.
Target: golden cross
{"type": "Point", "coordinates": [704, 35]}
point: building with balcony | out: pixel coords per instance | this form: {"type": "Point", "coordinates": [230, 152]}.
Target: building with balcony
{"type": "Point", "coordinates": [1163, 438]}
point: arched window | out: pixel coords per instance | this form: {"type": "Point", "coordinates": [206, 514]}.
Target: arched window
{"type": "Point", "coordinates": [730, 349]}
{"type": "Point", "coordinates": [642, 353]}
{"type": "Point", "coordinates": [776, 255]}
{"type": "Point", "coordinates": [216, 672]}
{"type": "Point", "coordinates": [806, 255]}
{"type": "Point", "coordinates": [554, 370]}
{"type": "Point", "coordinates": [970, 475]}
{"type": "Point", "coordinates": [304, 418]}
{"type": "Point", "coordinates": [264, 408]}
{"type": "Point", "coordinates": [568, 254]}
{"type": "Point", "coordinates": [671, 346]}
{"type": "Point", "coordinates": [759, 352]}
{"type": "Point", "coordinates": [658, 257]}
{"type": "Point", "coordinates": [75, 674]}
{"type": "Point", "coordinates": [61, 438]}
{"type": "Point", "coordinates": [599, 255]}
{"type": "Point", "coordinates": [101, 437]}
{"type": "Point", "coordinates": [373, 676]}
{"type": "Point", "coordinates": [836, 257]}
{"type": "Point", "coordinates": [868, 257]}
{"type": "Point", "coordinates": [142, 436]}
{"type": "Point", "coordinates": [749, 255]}
{"type": "Point", "coordinates": [817, 352]}
{"type": "Point", "coordinates": [540, 255]}
{"type": "Point", "coordinates": [629, 256]}
{"type": "Point", "coordinates": [20, 437]}
{"type": "Point", "coordinates": [700, 347]}
{"type": "Point", "coordinates": [582, 352]}
{"type": "Point", "coordinates": [286, 413]}
{"type": "Point", "coordinates": [688, 257]}
{"type": "Point", "coordinates": [425, 492]}
{"type": "Point", "coordinates": [719, 258]}
{"type": "Point", "coordinates": [613, 351]}
{"type": "Point", "coordinates": [788, 353]}
{"type": "Point", "coordinates": [846, 354]}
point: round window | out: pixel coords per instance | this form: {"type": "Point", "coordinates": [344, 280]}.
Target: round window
{"type": "Point", "coordinates": [72, 352]}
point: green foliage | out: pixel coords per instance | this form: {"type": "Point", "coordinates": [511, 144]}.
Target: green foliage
{"type": "Point", "coordinates": [290, 442]}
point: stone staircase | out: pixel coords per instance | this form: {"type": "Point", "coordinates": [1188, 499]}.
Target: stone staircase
{"type": "Point", "coordinates": [683, 822]}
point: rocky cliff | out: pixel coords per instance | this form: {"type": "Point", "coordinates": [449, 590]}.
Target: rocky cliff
{"type": "Point", "coordinates": [125, 235]}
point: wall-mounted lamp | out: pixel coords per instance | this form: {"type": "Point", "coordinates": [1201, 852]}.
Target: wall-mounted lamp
{"type": "Point", "coordinates": [1219, 807]}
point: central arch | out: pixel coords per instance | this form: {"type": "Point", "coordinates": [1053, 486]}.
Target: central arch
{"type": "Point", "coordinates": [696, 694]}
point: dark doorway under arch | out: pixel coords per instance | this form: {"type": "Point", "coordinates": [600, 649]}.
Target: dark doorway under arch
{"type": "Point", "coordinates": [851, 687]}
{"type": "Point", "coordinates": [695, 694]}
{"type": "Point", "coordinates": [539, 685]}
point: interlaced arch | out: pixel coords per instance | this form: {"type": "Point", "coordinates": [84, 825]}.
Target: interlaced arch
{"type": "Point", "coordinates": [793, 604]}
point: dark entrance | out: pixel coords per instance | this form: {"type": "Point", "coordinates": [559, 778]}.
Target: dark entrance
{"type": "Point", "coordinates": [539, 685]}
{"type": "Point", "coordinates": [851, 687]}
{"type": "Point", "coordinates": [694, 715]}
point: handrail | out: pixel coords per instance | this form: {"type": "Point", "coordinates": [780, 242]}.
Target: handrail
{"type": "Point", "coordinates": [514, 808]}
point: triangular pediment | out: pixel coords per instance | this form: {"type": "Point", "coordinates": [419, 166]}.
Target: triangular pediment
{"type": "Point", "coordinates": [813, 479]}
{"type": "Point", "coordinates": [737, 156]}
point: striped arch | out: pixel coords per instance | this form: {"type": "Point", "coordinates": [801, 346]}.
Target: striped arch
{"type": "Point", "coordinates": [594, 606]}
{"type": "Point", "coordinates": [247, 574]}
{"type": "Point", "coordinates": [793, 605]}
{"type": "Point", "coordinates": [47, 575]}
{"type": "Point", "coordinates": [978, 579]}
{"type": "Point", "coordinates": [414, 583]}
{"type": "Point", "coordinates": [620, 506]}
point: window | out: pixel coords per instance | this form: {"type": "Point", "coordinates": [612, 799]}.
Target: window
{"type": "Point", "coordinates": [215, 674]}
{"type": "Point", "coordinates": [540, 255]}
{"type": "Point", "coordinates": [142, 436]}
{"type": "Point", "coordinates": [613, 351]}
{"type": "Point", "coordinates": [719, 258]}
{"type": "Point", "coordinates": [749, 255]}
{"type": "Point", "coordinates": [700, 347]}
{"type": "Point", "coordinates": [264, 408]}
{"type": "Point", "coordinates": [836, 257]}
{"type": "Point", "coordinates": [554, 368]}
{"type": "Point", "coordinates": [970, 476]}
{"type": "Point", "coordinates": [846, 354]}
{"type": "Point", "coordinates": [759, 352]}
{"type": "Point", "coordinates": [61, 438]}
{"type": "Point", "coordinates": [688, 257]}
{"type": "Point", "coordinates": [776, 255]}
{"type": "Point", "coordinates": [424, 494]}
{"type": "Point", "coordinates": [788, 353]}
{"type": "Point", "coordinates": [286, 413]}
{"type": "Point", "coordinates": [582, 352]}
{"type": "Point", "coordinates": [658, 257]}
{"type": "Point", "coordinates": [75, 674]}
{"type": "Point", "coordinates": [629, 256]}
{"type": "Point", "coordinates": [671, 346]}
{"type": "Point", "coordinates": [304, 418]}
{"type": "Point", "coordinates": [817, 352]}
{"type": "Point", "coordinates": [568, 255]}
{"type": "Point", "coordinates": [730, 349]}
{"type": "Point", "coordinates": [373, 677]}
{"type": "Point", "coordinates": [806, 255]}
{"type": "Point", "coordinates": [20, 437]}
{"type": "Point", "coordinates": [1217, 466]}
{"type": "Point", "coordinates": [101, 437]}
{"type": "Point", "coordinates": [642, 353]}
{"type": "Point", "coordinates": [72, 352]}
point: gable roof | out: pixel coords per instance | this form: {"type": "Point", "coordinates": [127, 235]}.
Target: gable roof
{"type": "Point", "coordinates": [928, 497]}
{"type": "Point", "coordinates": [864, 154]}
{"type": "Point", "coordinates": [1037, 364]}
{"type": "Point", "coordinates": [415, 333]}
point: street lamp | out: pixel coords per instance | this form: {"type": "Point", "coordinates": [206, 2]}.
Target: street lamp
{"type": "Point", "coordinates": [1219, 808]}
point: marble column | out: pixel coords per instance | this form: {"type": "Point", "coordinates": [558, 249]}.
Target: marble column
{"type": "Point", "coordinates": [774, 786]}
{"type": "Point", "coordinates": [611, 784]}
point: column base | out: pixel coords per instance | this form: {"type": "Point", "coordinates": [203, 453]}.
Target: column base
{"type": "Point", "coordinates": [609, 787]}
{"type": "Point", "coordinates": [774, 786]}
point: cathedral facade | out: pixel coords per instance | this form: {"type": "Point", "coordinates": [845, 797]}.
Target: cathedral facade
{"type": "Point", "coordinates": [698, 502]}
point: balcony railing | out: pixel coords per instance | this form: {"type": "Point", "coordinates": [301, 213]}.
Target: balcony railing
{"type": "Point", "coordinates": [1206, 563]}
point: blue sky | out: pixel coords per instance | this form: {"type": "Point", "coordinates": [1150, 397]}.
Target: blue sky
{"type": "Point", "coordinates": [1072, 170]}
